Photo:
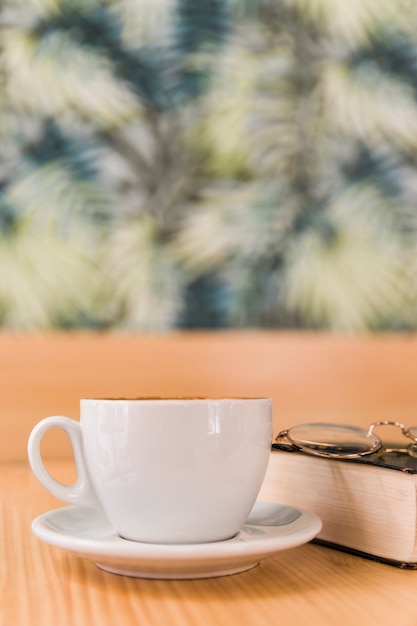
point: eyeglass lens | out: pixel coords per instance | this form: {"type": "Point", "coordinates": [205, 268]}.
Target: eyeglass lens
{"type": "Point", "coordinates": [333, 440]}
{"type": "Point", "coordinates": [412, 432]}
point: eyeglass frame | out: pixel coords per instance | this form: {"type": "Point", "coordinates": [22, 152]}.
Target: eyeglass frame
{"type": "Point", "coordinates": [377, 447]}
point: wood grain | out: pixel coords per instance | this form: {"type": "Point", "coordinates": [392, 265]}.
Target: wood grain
{"type": "Point", "coordinates": [310, 377]}
{"type": "Point", "coordinates": [310, 585]}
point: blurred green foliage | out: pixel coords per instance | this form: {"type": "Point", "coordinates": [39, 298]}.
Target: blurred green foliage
{"type": "Point", "coordinates": [232, 163]}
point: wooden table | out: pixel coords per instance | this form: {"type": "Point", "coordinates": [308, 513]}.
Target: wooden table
{"type": "Point", "coordinates": [42, 585]}
{"type": "Point", "coordinates": [311, 377]}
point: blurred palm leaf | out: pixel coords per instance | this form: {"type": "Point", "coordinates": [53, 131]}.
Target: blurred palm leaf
{"type": "Point", "coordinates": [316, 108]}
{"type": "Point", "coordinates": [242, 223]}
{"type": "Point", "coordinates": [263, 152]}
{"type": "Point", "coordinates": [353, 21]}
{"type": "Point", "coordinates": [54, 75]}
{"type": "Point", "coordinates": [371, 105]}
{"type": "Point", "coordinates": [241, 234]}
{"type": "Point", "coordinates": [44, 279]}
{"type": "Point", "coordinates": [222, 130]}
{"type": "Point", "coordinates": [145, 283]}
{"type": "Point", "coordinates": [354, 274]}
{"type": "Point", "coordinates": [56, 173]}
{"type": "Point", "coordinates": [79, 57]}
{"type": "Point", "coordinates": [83, 63]}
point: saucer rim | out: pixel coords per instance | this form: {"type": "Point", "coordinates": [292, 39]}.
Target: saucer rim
{"type": "Point", "coordinates": [277, 538]}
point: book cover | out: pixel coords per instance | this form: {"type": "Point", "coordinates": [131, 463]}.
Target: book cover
{"type": "Point", "coordinates": [356, 515]}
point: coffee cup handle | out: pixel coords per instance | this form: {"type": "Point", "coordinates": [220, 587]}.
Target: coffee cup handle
{"type": "Point", "coordinates": [82, 492]}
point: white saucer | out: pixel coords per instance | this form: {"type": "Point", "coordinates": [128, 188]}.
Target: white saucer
{"type": "Point", "coordinates": [269, 529]}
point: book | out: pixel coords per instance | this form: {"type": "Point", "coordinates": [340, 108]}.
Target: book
{"type": "Point", "coordinates": [368, 505]}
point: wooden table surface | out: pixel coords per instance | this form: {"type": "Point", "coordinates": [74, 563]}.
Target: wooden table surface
{"type": "Point", "coordinates": [41, 585]}
{"type": "Point", "coordinates": [310, 377]}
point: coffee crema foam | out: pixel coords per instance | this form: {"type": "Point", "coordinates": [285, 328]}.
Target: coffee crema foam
{"type": "Point", "coordinates": [168, 398]}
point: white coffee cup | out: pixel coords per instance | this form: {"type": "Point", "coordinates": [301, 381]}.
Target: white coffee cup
{"type": "Point", "coordinates": [165, 470]}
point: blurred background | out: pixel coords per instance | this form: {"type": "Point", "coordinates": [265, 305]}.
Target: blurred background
{"type": "Point", "coordinates": [175, 164]}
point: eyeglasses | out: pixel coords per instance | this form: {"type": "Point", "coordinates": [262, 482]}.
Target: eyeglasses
{"type": "Point", "coordinates": [342, 441]}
